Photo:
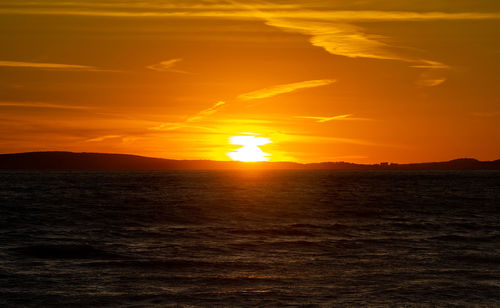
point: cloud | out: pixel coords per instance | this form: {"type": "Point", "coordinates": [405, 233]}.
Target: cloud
{"type": "Point", "coordinates": [194, 118]}
{"type": "Point", "coordinates": [326, 119]}
{"type": "Point", "coordinates": [381, 15]}
{"type": "Point", "coordinates": [339, 38]}
{"type": "Point", "coordinates": [49, 66]}
{"type": "Point", "coordinates": [42, 105]}
{"type": "Point", "coordinates": [122, 138]}
{"type": "Point", "coordinates": [430, 82]}
{"type": "Point", "coordinates": [330, 29]}
{"type": "Point", "coordinates": [431, 78]}
{"type": "Point", "coordinates": [167, 66]}
{"type": "Point", "coordinates": [344, 39]}
{"type": "Point", "coordinates": [284, 88]}
{"type": "Point", "coordinates": [169, 126]}
{"type": "Point", "coordinates": [245, 121]}
{"type": "Point", "coordinates": [206, 112]}
{"type": "Point", "coordinates": [232, 10]}
{"type": "Point", "coordinates": [335, 32]}
{"type": "Point", "coordinates": [102, 138]}
{"type": "Point", "coordinates": [431, 65]}
{"type": "Point", "coordinates": [259, 94]}
{"type": "Point", "coordinates": [136, 8]}
{"type": "Point", "coordinates": [172, 126]}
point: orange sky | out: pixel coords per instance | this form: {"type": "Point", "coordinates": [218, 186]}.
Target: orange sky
{"type": "Point", "coordinates": [359, 81]}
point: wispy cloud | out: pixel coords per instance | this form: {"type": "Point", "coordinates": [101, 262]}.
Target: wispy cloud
{"type": "Point", "coordinates": [258, 94]}
{"type": "Point", "coordinates": [192, 119]}
{"type": "Point", "coordinates": [431, 65]}
{"type": "Point", "coordinates": [246, 121]}
{"type": "Point", "coordinates": [336, 33]}
{"type": "Point", "coordinates": [333, 30]}
{"type": "Point", "coordinates": [427, 82]}
{"type": "Point", "coordinates": [344, 39]}
{"type": "Point", "coordinates": [167, 66]}
{"type": "Point", "coordinates": [42, 105]}
{"type": "Point", "coordinates": [339, 38]}
{"type": "Point", "coordinates": [330, 29]}
{"type": "Point", "coordinates": [284, 88]}
{"type": "Point", "coordinates": [102, 138]}
{"type": "Point", "coordinates": [233, 10]}
{"type": "Point", "coordinates": [431, 78]}
{"type": "Point", "coordinates": [137, 7]}
{"type": "Point", "coordinates": [381, 15]}
{"type": "Point", "coordinates": [49, 66]}
{"type": "Point", "coordinates": [206, 112]}
{"type": "Point", "coordinates": [121, 138]}
{"type": "Point", "coordinates": [433, 74]}
{"type": "Point", "coordinates": [173, 126]}
{"type": "Point", "coordinates": [326, 119]}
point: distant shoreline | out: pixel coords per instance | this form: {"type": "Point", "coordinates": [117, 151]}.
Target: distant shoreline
{"type": "Point", "coordinates": [103, 161]}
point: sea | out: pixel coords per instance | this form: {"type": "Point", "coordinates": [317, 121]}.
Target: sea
{"type": "Point", "coordinates": [250, 238]}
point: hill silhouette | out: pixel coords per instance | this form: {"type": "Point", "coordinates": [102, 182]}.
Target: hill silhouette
{"type": "Point", "coordinates": [103, 161]}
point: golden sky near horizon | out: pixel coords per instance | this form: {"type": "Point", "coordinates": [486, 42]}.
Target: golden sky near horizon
{"type": "Point", "coordinates": [359, 81]}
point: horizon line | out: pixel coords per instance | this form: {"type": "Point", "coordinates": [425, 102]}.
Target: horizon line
{"type": "Point", "coordinates": [380, 163]}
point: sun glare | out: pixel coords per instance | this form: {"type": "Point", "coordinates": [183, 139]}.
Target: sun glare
{"type": "Point", "coordinates": [250, 150]}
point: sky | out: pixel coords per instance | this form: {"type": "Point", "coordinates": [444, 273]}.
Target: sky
{"type": "Point", "coordinates": [359, 81]}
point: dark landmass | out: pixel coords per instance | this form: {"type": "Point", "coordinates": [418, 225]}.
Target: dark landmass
{"type": "Point", "coordinates": [99, 161]}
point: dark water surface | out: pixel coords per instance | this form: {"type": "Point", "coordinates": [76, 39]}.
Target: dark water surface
{"type": "Point", "coordinates": [250, 238]}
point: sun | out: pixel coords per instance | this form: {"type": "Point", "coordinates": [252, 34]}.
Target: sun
{"type": "Point", "coordinates": [250, 150]}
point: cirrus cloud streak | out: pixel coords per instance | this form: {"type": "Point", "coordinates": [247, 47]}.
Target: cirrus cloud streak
{"type": "Point", "coordinates": [48, 66]}
{"type": "Point", "coordinates": [284, 88]}
{"type": "Point", "coordinates": [167, 66]}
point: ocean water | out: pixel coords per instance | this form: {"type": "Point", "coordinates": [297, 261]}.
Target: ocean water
{"type": "Point", "coordinates": [250, 239]}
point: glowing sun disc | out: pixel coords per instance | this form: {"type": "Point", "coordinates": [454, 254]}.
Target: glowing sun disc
{"type": "Point", "coordinates": [250, 150]}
